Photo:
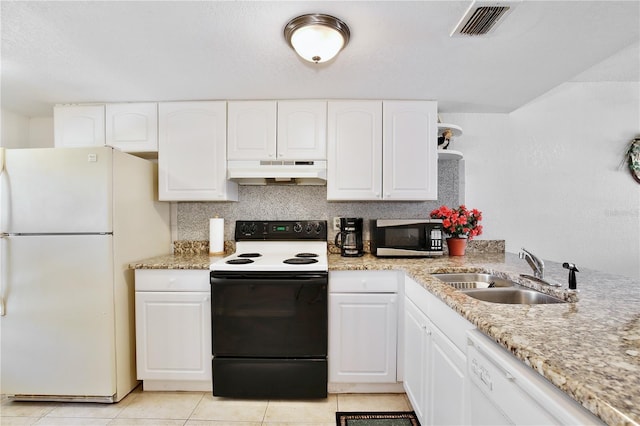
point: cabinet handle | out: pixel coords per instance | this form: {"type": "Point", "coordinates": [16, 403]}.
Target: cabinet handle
{"type": "Point", "coordinates": [206, 299]}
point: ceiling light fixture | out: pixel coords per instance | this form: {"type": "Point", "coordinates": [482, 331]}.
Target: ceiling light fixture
{"type": "Point", "coordinates": [317, 37]}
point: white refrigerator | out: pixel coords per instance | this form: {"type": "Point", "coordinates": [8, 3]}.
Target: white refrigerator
{"type": "Point", "coordinates": [72, 219]}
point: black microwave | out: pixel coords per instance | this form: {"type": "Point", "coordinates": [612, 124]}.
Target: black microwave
{"type": "Point", "coordinates": [406, 237]}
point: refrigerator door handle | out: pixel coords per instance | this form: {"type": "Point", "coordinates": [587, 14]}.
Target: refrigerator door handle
{"type": "Point", "coordinates": [2, 160]}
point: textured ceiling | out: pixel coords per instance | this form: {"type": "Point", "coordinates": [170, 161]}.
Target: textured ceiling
{"type": "Point", "coordinates": [120, 51]}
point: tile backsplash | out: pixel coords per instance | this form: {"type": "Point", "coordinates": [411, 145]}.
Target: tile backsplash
{"type": "Point", "coordinates": [285, 202]}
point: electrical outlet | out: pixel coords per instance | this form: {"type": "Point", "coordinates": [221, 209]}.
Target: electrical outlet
{"type": "Point", "coordinates": [336, 223]}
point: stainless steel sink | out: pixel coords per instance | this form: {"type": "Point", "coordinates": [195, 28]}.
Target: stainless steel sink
{"type": "Point", "coordinates": [495, 289]}
{"type": "Point", "coordinates": [513, 295]}
{"type": "Point", "coordinates": [474, 280]}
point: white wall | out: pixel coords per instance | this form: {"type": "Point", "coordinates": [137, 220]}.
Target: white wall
{"type": "Point", "coordinates": [18, 131]}
{"type": "Point", "coordinates": [15, 130]}
{"type": "Point", "coordinates": [41, 132]}
{"type": "Point", "coordinates": [548, 178]}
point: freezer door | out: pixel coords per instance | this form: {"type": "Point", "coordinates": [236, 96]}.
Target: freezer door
{"type": "Point", "coordinates": [56, 190]}
{"type": "Point", "coordinates": [58, 328]}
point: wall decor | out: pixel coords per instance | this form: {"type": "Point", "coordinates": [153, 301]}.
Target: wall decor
{"type": "Point", "coordinates": [632, 158]}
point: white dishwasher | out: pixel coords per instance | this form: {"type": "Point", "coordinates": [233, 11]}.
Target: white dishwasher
{"type": "Point", "coordinates": [504, 391]}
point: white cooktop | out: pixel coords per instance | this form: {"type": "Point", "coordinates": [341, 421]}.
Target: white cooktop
{"type": "Point", "coordinates": [273, 254]}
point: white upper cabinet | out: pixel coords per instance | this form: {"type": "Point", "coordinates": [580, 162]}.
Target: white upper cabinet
{"type": "Point", "coordinates": [252, 130]}
{"type": "Point", "coordinates": [354, 150]}
{"type": "Point", "coordinates": [382, 150]}
{"type": "Point", "coordinates": [78, 126]}
{"type": "Point", "coordinates": [192, 152]}
{"type": "Point", "coordinates": [132, 127]}
{"type": "Point", "coordinates": [410, 156]}
{"type": "Point", "coordinates": [277, 130]}
{"type": "Point", "coordinates": [302, 130]}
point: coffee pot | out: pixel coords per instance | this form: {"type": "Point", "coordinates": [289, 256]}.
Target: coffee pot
{"type": "Point", "coordinates": [349, 239]}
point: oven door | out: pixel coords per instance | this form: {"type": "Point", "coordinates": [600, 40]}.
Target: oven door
{"type": "Point", "coordinates": [269, 314]}
{"type": "Point", "coordinates": [269, 334]}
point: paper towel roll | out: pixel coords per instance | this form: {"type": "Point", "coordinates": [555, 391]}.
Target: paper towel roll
{"type": "Point", "coordinates": [216, 236]}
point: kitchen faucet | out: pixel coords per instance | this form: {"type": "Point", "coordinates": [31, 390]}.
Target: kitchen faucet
{"type": "Point", "coordinates": [536, 264]}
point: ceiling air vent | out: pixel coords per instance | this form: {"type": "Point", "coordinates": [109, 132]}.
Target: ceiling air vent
{"type": "Point", "coordinates": [482, 17]}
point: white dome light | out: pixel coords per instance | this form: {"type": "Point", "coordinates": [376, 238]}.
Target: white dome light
{"type": "Point", "coordinates": [316, 37]}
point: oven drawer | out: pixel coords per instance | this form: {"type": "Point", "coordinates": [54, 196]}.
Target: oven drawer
{"type": "Point", "coordinates": [269, 378]}
{"type": "Point", "coordinates": [363, 281]}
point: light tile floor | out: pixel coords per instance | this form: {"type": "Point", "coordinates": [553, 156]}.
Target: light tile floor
{"type": "Point", "coordinates": [197, 409]}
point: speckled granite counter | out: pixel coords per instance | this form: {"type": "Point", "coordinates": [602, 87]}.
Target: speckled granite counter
{"type": "Point", "coordinates": [589, 349]}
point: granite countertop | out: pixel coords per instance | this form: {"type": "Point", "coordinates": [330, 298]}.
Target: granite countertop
{"type": "Point", "coordinates": [590, 349]}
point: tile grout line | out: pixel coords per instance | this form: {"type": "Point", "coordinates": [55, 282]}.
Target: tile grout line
{"type": "Point", "coordinates": [195, 407]}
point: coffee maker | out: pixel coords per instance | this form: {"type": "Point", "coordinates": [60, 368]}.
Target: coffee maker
{"type": "Point", "coordinates": [349, 239]}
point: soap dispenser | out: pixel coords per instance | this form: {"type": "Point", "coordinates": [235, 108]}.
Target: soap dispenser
{"type": "Point", "coordinates": [573, 284]}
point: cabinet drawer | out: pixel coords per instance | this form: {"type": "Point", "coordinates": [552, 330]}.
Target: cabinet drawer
{"type": "Point", "coordinates": [363, 281]}
{"type": "Point", "coordinates": [172, 280]}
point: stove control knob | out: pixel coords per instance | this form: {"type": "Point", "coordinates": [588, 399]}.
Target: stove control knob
{"type": "Point", "coordinates": [318, 228]}
{"type": "Point", "coordinates": [297, 227]}
{"type": "Point", "coordinates": [253, 228]}
{"type": "Point", "coordinates": [309, 228]}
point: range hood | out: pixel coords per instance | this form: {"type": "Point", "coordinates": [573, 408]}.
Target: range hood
{"type": "Point", "coordinates": [256, 172]}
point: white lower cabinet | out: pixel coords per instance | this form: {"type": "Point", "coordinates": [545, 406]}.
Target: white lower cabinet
{"type": "Point", "coordinates": [363, 342]}
{"type": "Point", "coordinates": [416, 357]}
{"type": "Point", "coordinates": [434, 363]}
{"type": "Point", "coordinates": [446, 372]}
{"type": "Point", "coordinates": [456, 375]}
{"type": "Point", "coordinates": [363, 328]}
{"type": "Point", "coordinates": [173, 329]}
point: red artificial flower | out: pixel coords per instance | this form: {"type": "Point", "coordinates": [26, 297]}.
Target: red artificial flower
{"type": "Point", "coordinates": [459, 222]}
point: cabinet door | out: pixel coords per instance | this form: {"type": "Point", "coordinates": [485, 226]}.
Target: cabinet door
{"type": "Point", "coordinates": [410, 156]}
{"type": "Point", "coordinates": [416, 343]}
{"type": "Point", "coordinates": [192, 152]}
{"type": "Point", "coordinates": [302, 130]}
{"type": "Point", "coordinates": [78, 125]}
{"type": "Point", "coordinates": [354, 150]}
{"type": "Point", "coordinates": [173, 335]}
{"type": "Point", "coordinates": [362, 337]}
{"type": "Point", "coordinates": [132, 127]}
{"type": "Point", "coordinates": [252, 130]}
{"type": "Point", "coordinates": [446, 382]}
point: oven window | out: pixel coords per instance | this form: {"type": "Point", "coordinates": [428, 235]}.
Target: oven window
{"type": "Point", "coordinates": [266, 318]}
